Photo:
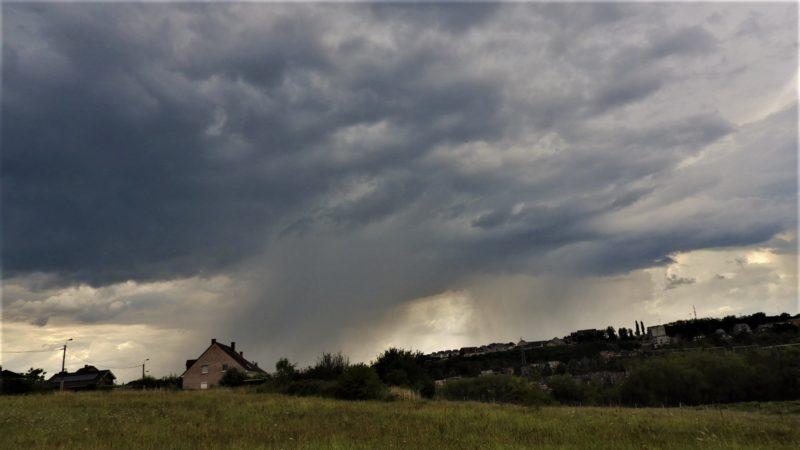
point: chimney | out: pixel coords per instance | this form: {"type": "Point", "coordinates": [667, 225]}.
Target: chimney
{"type": "Point", "coordinates": [233, 346]}
{"type": "Point", "coordinates": [213, 341]}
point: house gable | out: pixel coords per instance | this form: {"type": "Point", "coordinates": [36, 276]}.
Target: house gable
{"type": "Point", "coordinates": [208, 369]}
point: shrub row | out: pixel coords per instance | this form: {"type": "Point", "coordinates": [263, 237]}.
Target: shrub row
{"type": "Point", "coordinates": [494, 388]}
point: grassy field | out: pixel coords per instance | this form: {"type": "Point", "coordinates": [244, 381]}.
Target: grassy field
{"type": "Point", "coordinates": [215, 419]}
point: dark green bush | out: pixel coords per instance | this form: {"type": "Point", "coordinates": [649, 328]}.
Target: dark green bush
{"type": "Point", "coordinates": [310, 387]}
{"type": "Point", "coordinates": [494, 388]}
{"type": "Point", "coordinates": [398, 367]}
{"type": "Point", "coordinates": [690, 378]}
{"type": "Point", "coordinates": [565, 389]}
{"type": "Point", "coordinates": [427, 388]}
{"type": "Point", "coordinates": [166, 382]}
{"type": "Point", "coordinates": [284, 371]}
{"type": "Point", "coordinates": [31, 381]}
{"type": "Point", "coordinates": [233, 377]}
{"type": "Point", "coordinates": [359, 382]}
{"type": "Point", "coordinates": [328, 367]}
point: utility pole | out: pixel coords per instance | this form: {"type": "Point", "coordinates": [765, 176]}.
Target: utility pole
{"type": "Point", "coordinates": [143, 363]}
{"type": "Point", "coordinates": [63, 362]}
{"type": "Point", "coordinates": [695, 312]}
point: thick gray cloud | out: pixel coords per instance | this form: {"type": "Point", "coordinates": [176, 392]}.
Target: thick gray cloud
{"type": "Point", "coordinates": [340, 160]}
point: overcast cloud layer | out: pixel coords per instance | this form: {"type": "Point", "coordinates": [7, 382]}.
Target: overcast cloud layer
{"type": "Point", "coordinates": [318, 177]}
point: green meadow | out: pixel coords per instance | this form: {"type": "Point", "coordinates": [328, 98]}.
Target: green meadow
{"type": "Point", "coordinates": [244, 419]}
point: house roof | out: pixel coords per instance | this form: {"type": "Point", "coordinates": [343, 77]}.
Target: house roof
{"type": "Point", "coordinates": [239, 358]}
{"type": "Point", "coordinates": [247, 365]}
{"type": "Point", "coordinates": [9, 374]}
{"type": "Point", "coordinates": [83, 376]}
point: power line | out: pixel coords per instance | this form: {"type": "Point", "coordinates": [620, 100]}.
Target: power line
{"type": "Point", "coordinates": [31, 351]}
{"type": "Point", "coordinates": [102, 364]}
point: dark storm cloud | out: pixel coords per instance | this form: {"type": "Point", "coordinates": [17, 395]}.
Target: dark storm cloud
{"type": "Point", "coordinates": [125, 181]}
{"type": "Point", "coordinates": [454, 16]}
{"type": "Point", "coordinates": [153, 142]}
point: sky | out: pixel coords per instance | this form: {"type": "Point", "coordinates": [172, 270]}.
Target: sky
{"type": "Point", "coordinates": [308, 178]}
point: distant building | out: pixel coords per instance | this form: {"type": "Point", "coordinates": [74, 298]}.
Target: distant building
{"type": "Point", "coordinates": [13, 382]}
{"type": "Point", "coordinates": [444, 354]}
{"type": "Point", "coordinates": [740, 328]}
{"type": "Point", "coordinates": [207, 370]}
{"type": "Point", "coordinates": [722, 335]}
{"type": "Point", "coordinates": [763, 328]}
{"type": "Point", "coordinates": [555, 342]}
{"type": "Point", "coordinates": [606, 355]}
{"type": "Point", "coordinates": [658, 335]}
{"type": "Point", "coordinates": [539, 367]}
{"type": "Point", "coordinates": [85, 378]}
{"type": "Point", "coordinates": [468, 351]}
{"type": "Point", "coordinates": [442, 382]}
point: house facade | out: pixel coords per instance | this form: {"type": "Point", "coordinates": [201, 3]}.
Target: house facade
{"type": "Point", "coordinates": [658, 335]}
{"type": "Point", "coordinates": [207, 370]}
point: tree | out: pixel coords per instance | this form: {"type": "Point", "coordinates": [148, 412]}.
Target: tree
{"type": "Point", "coordinates": [612, 335]}
{"type": "Point", "coordinates": [566, 390]}
{"type": "Point", "coordinates": [644, 330]}
{"type": "Point", "coordinates": [637, 328]}
{"type": "Point", "coordinates": [284, 371]}
{"type": "Point", "coordinates": [399, 367]}
{"type": "Point", "coordinates": [328, 367]}
{"type": "Point", "coordinates": [359, 382]}
{"type": "Point", "coordinates": [623, 333]}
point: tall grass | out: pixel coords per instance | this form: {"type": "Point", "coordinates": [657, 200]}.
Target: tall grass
{"type": "Point", "coordinates": [243, 419]}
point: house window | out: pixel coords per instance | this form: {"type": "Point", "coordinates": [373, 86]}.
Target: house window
{"type": "Point", "coordinates": [204, 385]}
{"type": "Point", "coordinates": [204, 369]}
{"type": "Point", "coordinates": [224, 367]}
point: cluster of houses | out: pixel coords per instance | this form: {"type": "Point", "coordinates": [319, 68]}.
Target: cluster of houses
{"type": "Point", "coordinates": [203, 372]}
{"type": "Point", "coordinates": [86, 378]}
{"type": "Point", "coordinates": [494, 348]}
{"type": "Point", "coordinates": [743, 328]}
{"type": "Point", "coordinates": [656, 336]}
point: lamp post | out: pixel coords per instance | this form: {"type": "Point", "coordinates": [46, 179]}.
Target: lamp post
{"type": "Point", "coordinates": [143, 363]}
{"type": "Point", "coordinates": [63, 362]}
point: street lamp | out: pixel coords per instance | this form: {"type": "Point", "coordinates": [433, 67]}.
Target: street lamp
{"type": "Point", "coordinates": [143, 363]}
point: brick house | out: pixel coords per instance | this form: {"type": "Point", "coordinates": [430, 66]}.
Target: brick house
{"type": "Point", "coordinates": [207, 370]}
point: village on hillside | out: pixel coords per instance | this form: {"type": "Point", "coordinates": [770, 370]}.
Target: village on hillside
{"type": "Point", "coordinates": [587, 356]}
